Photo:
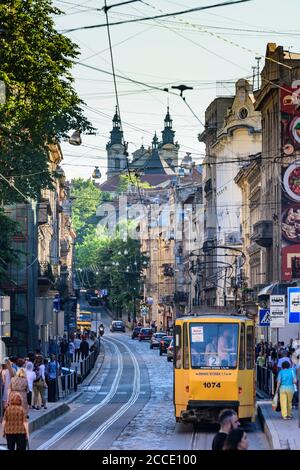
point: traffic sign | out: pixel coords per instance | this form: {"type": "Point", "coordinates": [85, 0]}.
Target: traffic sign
{"type": "Point", "coordinates": [5, 321]}
{"type": "Point", "coordinates": [294, 304]}
{"type": "Point", "coordinates": [277, 300]}
{"type": "Point", "coordinates": [264, 317]}
{"type": "Point", "coordinates": [277, 317]}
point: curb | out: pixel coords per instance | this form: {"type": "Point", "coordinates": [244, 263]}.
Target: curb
{"type": "Point", "coordinates": [269, 429]}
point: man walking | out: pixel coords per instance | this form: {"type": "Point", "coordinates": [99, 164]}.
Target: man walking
{"type": "Point", "coordinates": [228, 420]}
{"type": "Point", "coordinates": [84, 348]}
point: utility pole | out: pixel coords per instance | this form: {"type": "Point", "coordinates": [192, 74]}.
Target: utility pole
{"type": "Point", "coordinates": [258, 59]}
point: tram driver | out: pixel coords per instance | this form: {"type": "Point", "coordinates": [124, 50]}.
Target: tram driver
{"type": "Point", "coordinates": [226, 348]}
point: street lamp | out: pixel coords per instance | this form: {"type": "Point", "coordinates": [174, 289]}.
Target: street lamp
{"type": "Point", "coordinates": [96, 173]}
{"type": "Point", "coordinates": [75, 138]}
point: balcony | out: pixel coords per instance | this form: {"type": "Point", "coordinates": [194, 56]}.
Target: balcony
{"type": "Point", "coordinates": [45, 274]}
{"type": "Point", "coordinates": [263, 233]}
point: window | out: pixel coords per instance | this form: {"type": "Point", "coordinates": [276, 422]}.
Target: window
{"type": "Point", "coordinates": [177, 348]}
{"type": "Point", "coordinates": [117, 164]}
{"type": "Point", "coordinates": [185, 347]}
{"type": "Point", "coordinates": [214, 345]}
{"type": "Point", "coordinates": [250, 347]}
{"type": "Point", "coordinates": [242, 348]}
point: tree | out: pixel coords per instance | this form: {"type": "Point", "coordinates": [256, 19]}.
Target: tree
{"type": "Point", "coordinates": [87, 197]}
{"type": "Point", "coordinates": [41, 104]}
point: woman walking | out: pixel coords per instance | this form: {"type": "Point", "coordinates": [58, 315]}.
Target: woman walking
{"type": "Point", "coordinates": [39, 384]}
{"type": "Point", "coordinates": [285, 385]}
{"type": "Point", "coordinates": [15, 424]}
{"type": "Point", "coordinates": [19, 384]}
{"type": "Point", "coordinates": [7, 373]}
{"type": "Point", "coordinates": [31, 376]}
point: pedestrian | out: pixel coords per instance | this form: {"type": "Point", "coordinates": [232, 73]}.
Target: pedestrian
{"type": "Point", "coordinates": [15, 424]}
{"type": "Point", "coordinates": [39, 384]}
{"type": "Point", "coordinates": [236, 440]}
{"type": "Point", "coordinates": [71, 351]}
{"type": "Point", "coordinates": [284, 357]}
{"type": "Point", "coordinates": [52, 379]}
{"type": "Point", "coordinates": [261, 360]}
{"type": "Point", "coordinates": [7, 373]}
{"type": "Point", "coordinates": [228, 420]}
{"type": "Point", "coordinates": [31, 376]}
{"type": "Point", "coordinates": [64, 348]}
{"type": "Point", "coordinates": [14, 360]}
{"type": "Point", "coordinates": [84, 348]}
{"type": "Point", "coordinates": [285, 387]}
{"type": "Point", "coordinates": [19, 384]}
{"type": "Point", "coordinates": [77, 348]}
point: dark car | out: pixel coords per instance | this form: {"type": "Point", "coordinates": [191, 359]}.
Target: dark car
{"type": "Point", "coordinates": [155, 339]}
{"type": "Point", "coordinates": [164, 344]}
{"type": "Point", "coordinates": [117, 325]}
{"type": "Point", "coordinates": [94, 301]}
{"type": "Point", "coordinates": [145, 333]}
{"type": "Point", "coordinates": [136, 332]}
{"type": "Point", "coordinates": [170, 352]}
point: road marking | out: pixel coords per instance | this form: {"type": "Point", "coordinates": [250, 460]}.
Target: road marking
{"type": "Point", "coordinates": [93, 410]}
{"type": "Point", "coordinates": [88, 443]}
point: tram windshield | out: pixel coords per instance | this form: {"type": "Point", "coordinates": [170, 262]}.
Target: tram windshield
{"type": "Point", "coordinates": [214, 345]}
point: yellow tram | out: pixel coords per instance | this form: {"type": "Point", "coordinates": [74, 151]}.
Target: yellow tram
{"type": "Point", "coordinates": [213, 367]}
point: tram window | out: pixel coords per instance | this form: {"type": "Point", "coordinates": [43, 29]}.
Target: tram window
{"type": "Point", "coordinates": [177, 347]}
{"type": "Point", "coordinates": [214, 345]}
{"type": "Point", "coordinates": [242, 348]}
{"type": "Point", "coordinates": [250, 348]}
{"type": "Point", "coordinates": [185, 347]}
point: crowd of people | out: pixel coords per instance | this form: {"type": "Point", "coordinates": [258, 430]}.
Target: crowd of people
{"type": "Point", "coordinates": [230, 436]}
{"type": "Point", "coordinates": [284, 362]}
{"type": "Point", "coordinates": [27, 382]}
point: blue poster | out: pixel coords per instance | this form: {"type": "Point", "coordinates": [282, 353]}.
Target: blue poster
{"type": "Point", "coordinates": [264, 317]}
{"type": "Point", "coordinates": [294, 304]}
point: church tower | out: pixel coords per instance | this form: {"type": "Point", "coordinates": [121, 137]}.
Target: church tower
{"type": "Point", "coordinates": [116, 151]}
{"type": "Point", "coordinates": [168, 150]}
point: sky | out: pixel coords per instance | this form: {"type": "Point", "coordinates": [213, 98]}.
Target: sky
{"type": "Point", "coordinates": [207, 50]}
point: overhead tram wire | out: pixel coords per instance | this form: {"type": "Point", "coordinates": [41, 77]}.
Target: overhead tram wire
{"type": "Point", "coordinates": [165, 15]}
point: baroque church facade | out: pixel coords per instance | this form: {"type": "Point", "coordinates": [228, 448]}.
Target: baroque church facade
{"type": "Point", "coordinates": [159, 159]}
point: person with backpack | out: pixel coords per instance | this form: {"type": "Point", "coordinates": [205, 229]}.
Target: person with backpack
{"type": "Point", "coordinates": [39, 384]}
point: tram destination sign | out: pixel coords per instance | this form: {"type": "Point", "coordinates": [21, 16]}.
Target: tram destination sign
{"type": "Point", "coordinates": [294, 304]}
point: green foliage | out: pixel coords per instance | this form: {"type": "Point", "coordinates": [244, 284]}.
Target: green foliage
{"type": "Point", "coordinates": [133, 180]}
{"type": "Point", "coordinates": [106, 266]}
{"type": "Point", "coordinates": [87, 199]}
{"type": "Point", "coordinates": [41, 104]}
{"type": "Point", "coordinates": [7, 252]}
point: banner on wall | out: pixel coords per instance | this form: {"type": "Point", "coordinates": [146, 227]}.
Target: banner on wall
{"type": "Point", "coordinates": [290, 207]}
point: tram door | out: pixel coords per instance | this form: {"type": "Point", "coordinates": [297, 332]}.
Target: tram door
{"type": "Point", "coordinates": [181, 367]}
{"type": "Point", "coordinates": [246, 386]}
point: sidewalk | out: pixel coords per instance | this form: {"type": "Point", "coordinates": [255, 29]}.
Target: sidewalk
{"type": "Point", "coordinates": [281, 434]}
{"type": "Point", "coordinates": [39, 418]}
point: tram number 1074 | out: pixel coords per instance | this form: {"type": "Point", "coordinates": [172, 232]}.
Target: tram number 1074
{"type": "Point", "coordinates": [211, 384]}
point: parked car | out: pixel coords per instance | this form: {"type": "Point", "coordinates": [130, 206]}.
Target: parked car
{"type": "Point", "coordinates": [145, 333]}
{"type": "Point", "coordinates": [136, 332]}
{"type": "Point", "coordinates": [117, 325]}
{"type": "Point", "coordinates": [163, 344]}
{"type": "Point", "coordinates": [170, 352]}
{"type": "Point", "coordinates": [155, 339]}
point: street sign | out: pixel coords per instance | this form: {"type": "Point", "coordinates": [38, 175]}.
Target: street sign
{"type": "Point", "coordinates": [144, 310]}
{"type": "Point", "coordinates": [5, 317]}
{"type": "Point", "coordinates": [277, 315]}
{"type": "Point", "coordinates": [264, 317]}
{"type": "Point", "coordinates": [294, 304]}
{"type": "Point", "coordinates": [277, 300]}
